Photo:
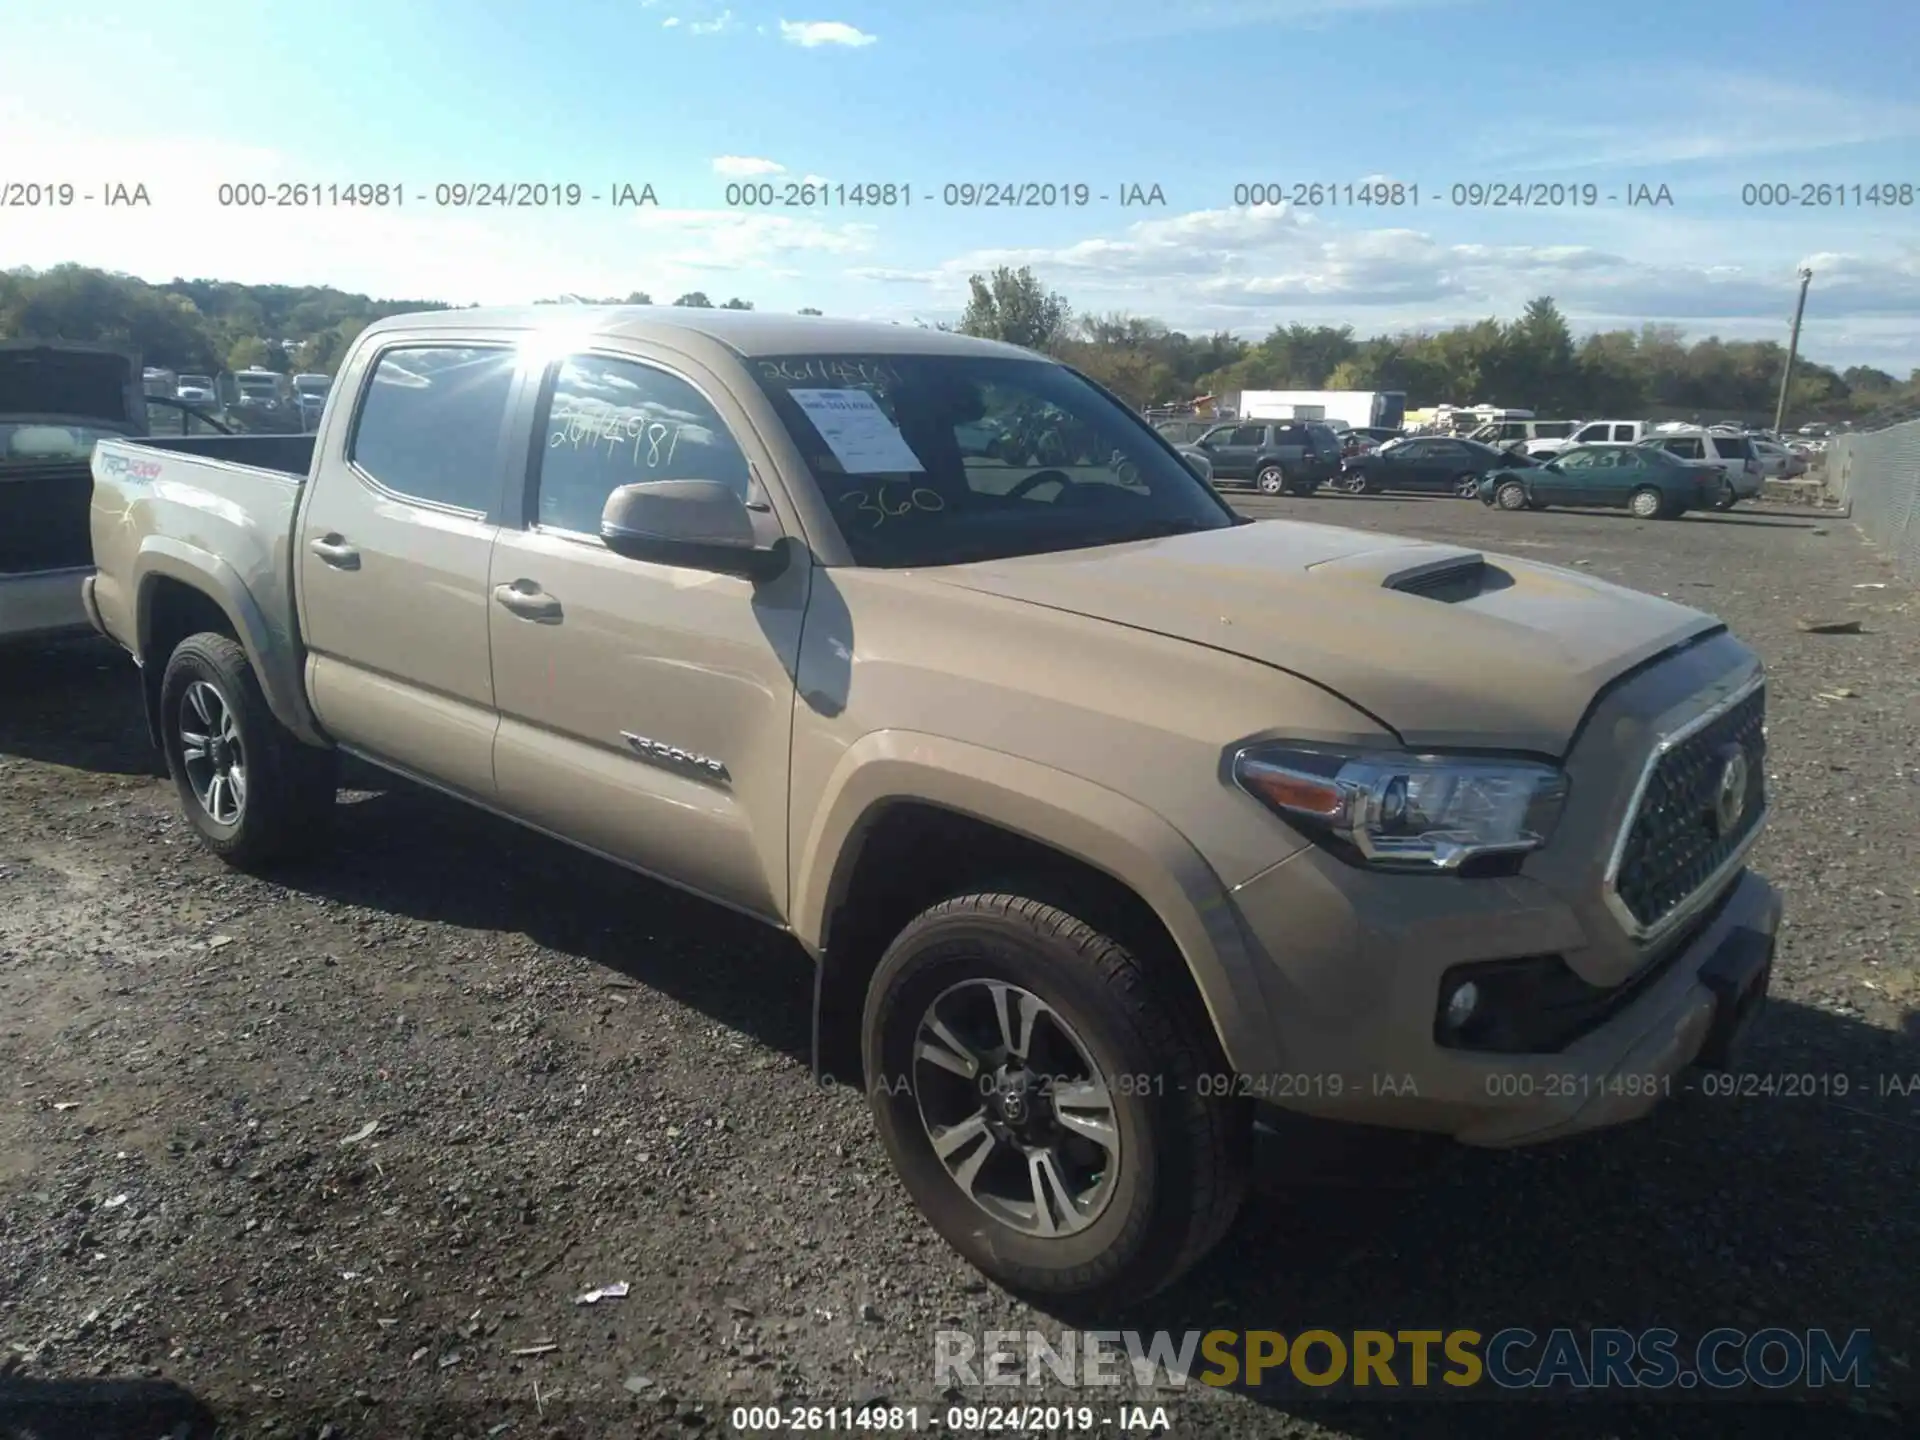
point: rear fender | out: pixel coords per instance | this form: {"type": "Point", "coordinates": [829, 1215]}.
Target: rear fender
{"type": "Point", "coordinates": [272, 649]}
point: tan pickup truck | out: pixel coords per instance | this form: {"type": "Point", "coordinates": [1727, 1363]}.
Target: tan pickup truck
{"type": "Point", "coordinates": [1114, 824]}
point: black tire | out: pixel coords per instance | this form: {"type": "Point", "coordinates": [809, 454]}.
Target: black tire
{"type": "Point", "coordinates": [1512, 495]}
{"type": "Point", "coordinates": [286, 800]}
{"type": "Point", "coordinates": [1182, 1164]}
{"type": "Point", "coordinates": [1727, 497]}
{"type": "Point", "coordinates": [1272, 480]}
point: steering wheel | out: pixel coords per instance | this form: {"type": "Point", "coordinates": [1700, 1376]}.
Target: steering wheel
{"type": "Point", "coordinates": [1039, 478]}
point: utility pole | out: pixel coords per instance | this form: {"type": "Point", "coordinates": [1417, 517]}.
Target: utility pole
{"type": "Point", "coordinates": [1793, 350]}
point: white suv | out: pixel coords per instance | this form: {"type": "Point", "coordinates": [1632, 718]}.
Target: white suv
{"type": "Point", "coordinates": [1739, 461]}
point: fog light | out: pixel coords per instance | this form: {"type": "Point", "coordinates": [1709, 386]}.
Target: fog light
{"type": "Point", "coordinates": [1461, 1004]}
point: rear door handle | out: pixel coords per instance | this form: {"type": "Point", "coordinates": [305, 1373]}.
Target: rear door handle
{"type": "Point", "coordinates": [529, 602]}
{"type": "Point", "coordinates": [336, 552]}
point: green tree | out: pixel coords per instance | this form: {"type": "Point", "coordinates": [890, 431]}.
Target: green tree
{"type": "Point", "coordinates": [249, 354]}
{"type": "Point", "coordinates": [737, 304]}
{"type": "Point", "coordinates": [695, 300]}
{"type": "Point", "coordinates": [809, 310]}
{"type": "Point", "coordinates": [1012, 305]}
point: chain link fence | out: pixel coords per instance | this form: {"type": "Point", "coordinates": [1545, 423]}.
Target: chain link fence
{"type": "Point", "coordinates": [1876, 475]}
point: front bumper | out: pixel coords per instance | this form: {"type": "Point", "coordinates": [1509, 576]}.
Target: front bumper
{"type": "Point", "coordinates": [1357, 1022]}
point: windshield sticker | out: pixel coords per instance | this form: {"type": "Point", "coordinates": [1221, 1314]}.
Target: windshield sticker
{"type": "Point", "coordinates": [858, 432]}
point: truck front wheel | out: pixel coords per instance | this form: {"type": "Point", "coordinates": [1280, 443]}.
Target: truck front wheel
{"type": "Point", "coordinates": [253, 792]}
{"type": "Point", "coordinates": [1058, 1119]}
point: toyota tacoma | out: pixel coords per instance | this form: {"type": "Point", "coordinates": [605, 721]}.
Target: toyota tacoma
{"type": "Point", "coordinates": [1114, 825]}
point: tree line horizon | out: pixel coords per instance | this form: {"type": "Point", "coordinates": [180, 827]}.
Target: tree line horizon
{"type": "Point", "coordinates": [1532, 361]}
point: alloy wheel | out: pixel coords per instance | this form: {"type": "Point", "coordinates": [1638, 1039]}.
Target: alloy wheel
{"type": "Point", "coordinates": [1016, 1108]}
{"type": "Point", "coordinates": [212, 754]}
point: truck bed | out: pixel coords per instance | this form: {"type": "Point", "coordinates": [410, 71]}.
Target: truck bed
{"type": "Point", "coordinates": [230, 496]}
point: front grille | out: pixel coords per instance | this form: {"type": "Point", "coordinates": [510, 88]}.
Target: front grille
{"type": "Point", "coordinates": [1676, 844]}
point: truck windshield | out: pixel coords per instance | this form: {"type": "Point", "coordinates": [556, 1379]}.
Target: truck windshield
{"type": "Point", "coordinates": [945, 459]}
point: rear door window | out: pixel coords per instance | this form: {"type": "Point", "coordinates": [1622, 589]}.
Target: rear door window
{"type": "Point", "coordinates": [430, 425]}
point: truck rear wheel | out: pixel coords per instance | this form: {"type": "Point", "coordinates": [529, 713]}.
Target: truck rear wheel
{"type": "Point", "coordinates": [1057, 1120]}
{"type": "Point", "coordinates": [253, 792]}
{"type": "Point", "coordinates": [1272, 480]}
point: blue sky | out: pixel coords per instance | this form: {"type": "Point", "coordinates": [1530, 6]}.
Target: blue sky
{"type": "Point", "coordinates": [692, 95]}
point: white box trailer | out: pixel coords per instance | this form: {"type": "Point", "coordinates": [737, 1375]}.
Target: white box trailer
{"type": "Point", "coordinates": [1343, 409]}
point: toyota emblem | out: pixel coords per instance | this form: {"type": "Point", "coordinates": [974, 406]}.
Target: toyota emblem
{"type": "Point", "coordinates": [1730, 797]}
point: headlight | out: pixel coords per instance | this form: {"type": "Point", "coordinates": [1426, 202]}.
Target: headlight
{"type": "Point", "coordinates": [1400, 811]}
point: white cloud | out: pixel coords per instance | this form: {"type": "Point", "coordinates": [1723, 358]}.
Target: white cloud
{"type": "Point", "coordinates": [708, 240]}
{"type": "Point", "coordinates": [719, 25]}
{"type": "Point", "coordinates": [1247, 269]}
{"type": "Point", "coordinates": [670, 23]}
{"type": "Point", "coordinates": [741, 166]}
{"type": "Point", "coordinates": [811, 34]}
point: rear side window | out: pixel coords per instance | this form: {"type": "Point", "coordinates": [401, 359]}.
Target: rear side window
{"type": "Point", "coordinates": [1552, 430]}
{"type": "Point", "coordinates": [1734, 447]}
{"type": "Point", "coordinates": [620, 422]}
{"type": "Point", "coordinates": [429, 427]}
{"type": "Point", "coordinates": [1623, 432]}
{"type": "Point", "coordinates": [1688, 449]}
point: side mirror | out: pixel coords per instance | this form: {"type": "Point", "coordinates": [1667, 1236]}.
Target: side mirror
{"type": "Point", "coordinates": [700, 524]}
{"type": "Point", "coordinates": [1551, 465]}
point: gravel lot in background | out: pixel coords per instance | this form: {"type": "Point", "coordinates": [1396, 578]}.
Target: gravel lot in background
{"type": "Point", "coordinates": [330, 1150]}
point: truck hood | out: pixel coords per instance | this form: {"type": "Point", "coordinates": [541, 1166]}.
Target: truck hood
{"type": "Point", "coordinates": [47, 380]}
{"type": "Point", "coordinates": [1448, 647]}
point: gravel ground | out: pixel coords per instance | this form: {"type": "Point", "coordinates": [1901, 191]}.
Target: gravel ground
{"type": "Point", "coordinates": [345, 1149]}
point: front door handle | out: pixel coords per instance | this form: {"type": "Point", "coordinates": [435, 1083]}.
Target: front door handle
{"type": "Point", "coordinates": [336, 552]}
{"type": "Point", "coordinates": [529, 602]}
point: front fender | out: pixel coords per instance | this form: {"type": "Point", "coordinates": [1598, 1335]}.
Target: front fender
{"type": "Point", "coordinates": [1087, 821]}
{"type": "Point", "coordinates": [271, 649]}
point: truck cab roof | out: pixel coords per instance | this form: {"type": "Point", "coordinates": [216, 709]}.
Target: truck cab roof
{"type": "Point", "coordinates": [746, 333]}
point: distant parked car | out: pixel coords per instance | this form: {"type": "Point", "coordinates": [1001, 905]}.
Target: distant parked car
{"type": "Point", "coordinates": [310, 394]}
{"type": "Point", "coordinates": [57, 401]}
{"type": "Point", "coordinates": [1293, 457]}
{"type": "Point", "coordinates": [1197, 460]}
{"type": "Point", "coordinates": [198, 390]}
{"type": "Point", "coordinates": [1429, 463]}
{"type": "Point", "coordinates": [1779, 462]}
{"type": "Point", "coordinates": [1593, 432]}
{"type": "Point", "coordinates": [1185, 430]}
{"type": "Point", "coordinates": [1735, 455]}
{"type": "Point", "coordinates": [1531, 436]}
{"type": "Point", "coordinates": [1649, 481]}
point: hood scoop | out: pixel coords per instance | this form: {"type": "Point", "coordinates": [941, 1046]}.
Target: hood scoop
{"type": "Point", "coordinates": [1450, 581]}
{"type": "Point", "coordinates": [1445, 573]}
